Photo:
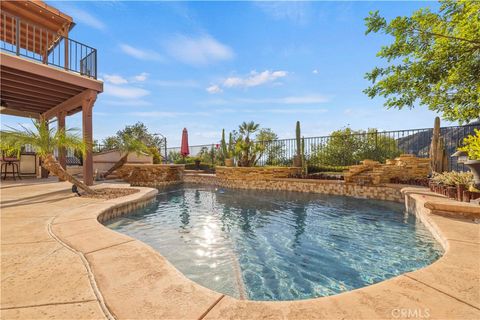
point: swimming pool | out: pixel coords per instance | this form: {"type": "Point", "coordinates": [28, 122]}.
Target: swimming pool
{"type": "Point", "coordinates": [275, 245]}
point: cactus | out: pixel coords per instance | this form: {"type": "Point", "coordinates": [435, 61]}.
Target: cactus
{"type": "Point", "coordinates": [299, 143]}
{"type": "Point", "coordinates": [304, 164]}
{"type": "Point", "coordinates": [223, 146]}
{"type": "Point", "coordinates": [231, 145]}
{"type": "Point", "coordinates": [297, 161]}
{"type": "Point", "coordinates": [438, 154]}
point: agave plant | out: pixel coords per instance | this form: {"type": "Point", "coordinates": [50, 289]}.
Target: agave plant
{"type": "Point", "coordinates": [45, 140]}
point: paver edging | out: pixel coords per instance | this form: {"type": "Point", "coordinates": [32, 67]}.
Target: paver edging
{"type": "Point", "coordinates": [285, 308]}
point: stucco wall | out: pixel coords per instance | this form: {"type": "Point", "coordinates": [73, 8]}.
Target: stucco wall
{"type": "Point", "coordinates": [103, 161]}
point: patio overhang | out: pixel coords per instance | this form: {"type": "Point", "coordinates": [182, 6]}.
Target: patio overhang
{"type": "Point", "coordinates": [32, 89]}
{"type": "Point", "coordinates": [35, 90]}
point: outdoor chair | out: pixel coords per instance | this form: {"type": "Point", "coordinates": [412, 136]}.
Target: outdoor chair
{"type": "Point", "coordinates": [14, 163]}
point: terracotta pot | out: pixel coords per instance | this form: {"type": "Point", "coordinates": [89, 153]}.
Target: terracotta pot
{"type": "Point", "coordinates": [452, 192]}
{"type": "Point", "coordinates": [197, 164]}
{"type": "Point", "coordinates": [460, 190]}
{"type": "Point", "coordinates": [229, 162]}
{"type": "Point", "coordinates": [466, 196]}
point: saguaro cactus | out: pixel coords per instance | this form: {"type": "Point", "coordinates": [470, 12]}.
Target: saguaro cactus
{"type": "Point", "coordinates": [438, 154]}
{"type": "Point", "coordinates": [297, 161]}
{"type": "Point", "coordinates": [223, 146]}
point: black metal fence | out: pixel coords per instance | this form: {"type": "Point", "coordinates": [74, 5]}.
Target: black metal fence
{"type": "Point", "coordinates": [28, 40]}
{"type": "Point", "coordinates": [339, 150]}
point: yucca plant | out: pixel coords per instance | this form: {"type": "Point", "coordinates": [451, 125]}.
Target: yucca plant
{"type": "Point", "coordinates": [45, 140]}
{"type": "Point", "coordinates": [127, 145]}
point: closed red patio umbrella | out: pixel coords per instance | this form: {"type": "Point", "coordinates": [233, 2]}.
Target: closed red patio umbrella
{"type": "Point", "coordinates": [184, 151]}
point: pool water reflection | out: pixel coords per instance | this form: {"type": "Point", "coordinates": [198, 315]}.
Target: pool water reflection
{"type": "Point", "coordinates": [265, 245]}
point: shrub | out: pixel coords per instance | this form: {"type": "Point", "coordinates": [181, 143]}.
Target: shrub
{"type": "Point", "coordinates": [471, 145]}
{"type": "Point", "coordinates": [326, 168]}
{"type": "Point", "coordinates": [454, 178]}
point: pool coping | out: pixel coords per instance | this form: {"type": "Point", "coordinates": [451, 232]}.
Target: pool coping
{"type": "Point", "coordinates": [135, 281]}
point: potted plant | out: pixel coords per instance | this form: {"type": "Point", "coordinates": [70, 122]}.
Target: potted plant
{"type": "Point", "coordinates": [452, 184]}
{"type": "Point", "coordinates": [197, 162]}
{"type": "Point", "coordinates": [471, 145]}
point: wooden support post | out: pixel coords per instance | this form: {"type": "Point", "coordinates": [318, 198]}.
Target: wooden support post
{"type": "Point", "coordinates": [44, 172]}
{"type": "Point", "coordinates": [87, 106]}
{"type": "Point", "coordinates": [62, 152]}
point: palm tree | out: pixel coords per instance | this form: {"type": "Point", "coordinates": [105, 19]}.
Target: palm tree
{"type": "Point", "coordinates": [45, 140]}
{"type": "Point", "coordinates": [126, 144]}
{"type": "Point", "coordinates": [244, 145]}
{"type": "Point", "coordinates": [247, 128]}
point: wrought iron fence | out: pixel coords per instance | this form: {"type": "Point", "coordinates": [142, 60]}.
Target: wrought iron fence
{"type": "Point", "coordinates": [28, 40]}
{"type": "Point", "coordinates": [338, 150]}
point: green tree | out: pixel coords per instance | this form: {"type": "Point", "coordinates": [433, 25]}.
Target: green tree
{"type": "Point", "coordinates": [140, 131]}
{"type": "Point", "coordinates": [375, 146]}
{"type": "Point", "coordinates": [45, 140]}
{"type": "Point", "coordinates": [434, 60]}
{"type": "Point", "coordinates": [270, 146]}
{"type": "Point", "coordinates": [340, 149]}
{"type": "Point", "coordinates": [346, 147]}
{"type": "Point", "coordinates": [126, 145]}
{"type": "Point", "coordinates": [110, 143]}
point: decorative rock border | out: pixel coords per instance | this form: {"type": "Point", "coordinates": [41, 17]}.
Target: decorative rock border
{"type": "Point", "coordinates": [151, 175]}
{"type": "Point", "coordinates": [255, 173]}
{"type": "Point", "coordinates": [390, 192]}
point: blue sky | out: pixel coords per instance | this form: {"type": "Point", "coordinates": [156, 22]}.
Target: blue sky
{"type": "Point", "coordinates": [211, 65]}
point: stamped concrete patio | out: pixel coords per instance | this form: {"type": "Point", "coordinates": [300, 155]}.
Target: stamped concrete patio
{"type": "Point", "coordinates": [59, 262]}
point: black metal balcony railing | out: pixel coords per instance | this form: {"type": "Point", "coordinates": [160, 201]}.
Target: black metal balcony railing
{"type": "Point", "coordinates": [28, 40]}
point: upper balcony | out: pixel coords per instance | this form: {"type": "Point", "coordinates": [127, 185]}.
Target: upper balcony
{"type": "Point", "coordinates": [44, 39]}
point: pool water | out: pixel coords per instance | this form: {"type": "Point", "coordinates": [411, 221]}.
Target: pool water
{"type": "Point", "coordinates": [275, 245]}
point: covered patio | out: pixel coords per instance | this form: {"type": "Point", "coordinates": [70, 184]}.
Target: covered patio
{"type": "Point", "coordinates": [45, 74]}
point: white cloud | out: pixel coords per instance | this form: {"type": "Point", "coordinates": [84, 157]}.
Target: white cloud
{"type": "Point", "coordinates": [200, 51]}
{"type": "Point", "coordinates": [176, 83]}
{"type": "Point", "coordinates": [114, 79]}
{"type": "Point", "coordinates": [315, 71]}
{"type": "Point", "coordinates": [274, 110]}
{"type": "Point", "coordinates": [125, 92]}
{"type": "Point", "coordinates": [214, 89]}
{"type": "Point", "coordinates": [141, 77]}
{"type": "Point", "coordinates": [166, 114]}
{"type": "Point", "coordinates": [296, 111]}
{"type": "Point", "coordinates": [289, 100]}
{"type": "Point", "coordinates": [84, 17]}
{"type": "Point", "coordinates": [297, 12]}
{"type": "Point", "coordinates": [254, 79]}
{"type": "Point", "coordinates": [128, 103]}
{"type": "Point", "coordinates": [142, 54]}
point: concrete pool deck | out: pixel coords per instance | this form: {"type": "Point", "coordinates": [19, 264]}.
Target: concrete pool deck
{"type": "Point", "coordinates": [59, 262]}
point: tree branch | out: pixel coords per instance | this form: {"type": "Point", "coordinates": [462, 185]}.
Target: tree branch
{"type": "Point", "coordinates": [446, 36]}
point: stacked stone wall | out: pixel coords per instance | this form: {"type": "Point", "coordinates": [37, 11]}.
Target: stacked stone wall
{"type": "Point", "coordinates": [151, 175]}
{"type": "Point", "coordinates": [256, 173]}
{"type": "Point", "coordinates": [388, 192]}
{"type": "Point", "coordinates": [405, 167]}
